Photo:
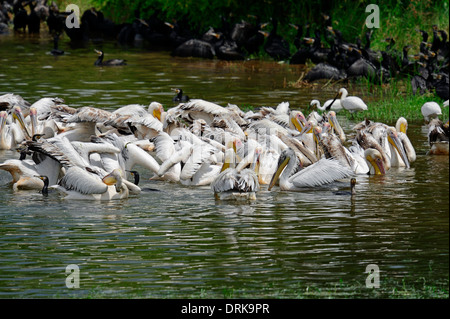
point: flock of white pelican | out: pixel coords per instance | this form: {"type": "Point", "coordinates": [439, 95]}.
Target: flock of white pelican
{"type": "Point", "coordinates": [88, 153]}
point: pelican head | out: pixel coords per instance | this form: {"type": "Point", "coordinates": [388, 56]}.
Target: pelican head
{"type": "Point", "coordinates": [317, 130]}
{"type": "Point", "coordinates": [297, 120]}
{"type": "Point", "coordinates": [114, 178]}
{"type": "Point", "coordinates": [18, 115]}
{"type": "Point", "coordinates": [401, 125]}
{"type": "Point", "coordinates": [283, 160]}
{"type": "Point", "coordinates": [397, 144]}
{"type": "Point", "coordinates": [375, 159]}
{"type": "Point", "coordinates": [336, 126]}
{"type": "Point", "coordinates": [156, 109]}
{"type": "Point", "coordinates": [307, 128]}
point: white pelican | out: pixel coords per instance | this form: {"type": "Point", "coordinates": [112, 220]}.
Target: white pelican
{"type": "Point", "coordinates": [367, 141]}
{"type": "Point", "coordinates": [438, 137]}
{"type": "Point", "coordinates": [387, 141]}
{"type": "Point", "coordinates": [332, 119]}
{"type": "Point", "coordinates": [9, 100]}
{"type": "Point", "coordinates": [86, 119]}
{"type": "Point", "coordinates": [80, 184]}
{"type": "Point", "coordinates": [402, 127]}
{"type": "Point", "coordinates": [374, 157]}
{"type": "Point", "coordinates": [323, 172]}
{"type": "Point", "coordinates": [430, 110]}
{"type": "Point", "coordinates": [10, 135]}
{"type": "Point", "coordinates": [233, 185]}
{"type": "Point", "coordinates": [23, 174]}
{"type": "Point", "coordinates": [351, 103]}
{"type": "Point", "coordinates": [201, 109]}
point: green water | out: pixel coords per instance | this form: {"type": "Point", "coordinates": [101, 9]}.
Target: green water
{"type": "Point", "coordinates": [180, 242]}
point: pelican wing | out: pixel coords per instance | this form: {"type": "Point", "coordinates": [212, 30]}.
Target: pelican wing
{"type": "Point", "coordinates": [9, 100]}
{"type": "Point", "coordinates": [200, 154]}
{"type": "Point", "coordinates": [323, 172]}
{"type": "Point", "coordinates": [134, 155]}
{"type": "Point", "coordinates": [53, 151]}
{"type": "Point", "coordinates": [86, 148]}
{"type": "Point", "coordinates": [248, 181]}
{"type": "Point", "coordinates": [146, 120]}
{"type": "Point", "coordinates": [18, 168]}
{"type": "Point", "coordinates": [131, 109]}
{"type": "Point", "coordinates": [176, 157]}
{"type": "Point", "coordinates": [203, 106]}
{"type": "Point", "coordinates": [90, 114]}
{"type": "Point", "coordinates": [81, 181]}
{"type": "Point", "coordinates": [225, 181]}
{"type": "Point", "coordinates": [164, 145]}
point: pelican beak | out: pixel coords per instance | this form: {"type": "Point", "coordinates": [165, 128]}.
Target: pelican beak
{"type": "Point", "coordinates": [3, 116]}
{"type": "Point", "coordinates": [395, 142]}
{"type": "Point", "coordinates": [33, 117]}
{"type": "Point", "coordinates": [157, 112]}
{"type": "Point", "coordinates": [98, 52]}
{"type": "Point", "coordinates": [403, 127]}
{"type": "Point", "coordinates": [309, 40]}
{"type": "Point", "coordinates": [306, 129]}
{"type": "Point", "coordinates": [377, 164]}
{"type": "Point", "coordinates": [18, 115]}
{"type": "Point", "coordinates": [294, 26]}
{"type": "Point", "coordinates": [278, 172]}
{"type": "Point", "coordinates": [297, 124]}
{"type": "Point", "coordinates": [337, 127]}
{"type": "Point", "coordinates": [109, 179]}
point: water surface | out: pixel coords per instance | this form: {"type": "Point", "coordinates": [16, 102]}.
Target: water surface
{"type": "Point", "coordinates": [180, 241]}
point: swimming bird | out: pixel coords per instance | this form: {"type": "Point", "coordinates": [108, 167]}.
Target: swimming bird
{"type": "Point", "coordinates": [438, 137]}
{"type": "Point", "coordinates": [80, 184]}
{"type": "Point", "coordinates": [179, 97]}
{"type": "Point", "coordinates": [112, 62]}
{"type": "Point", "coordinates": [233, 185]}
{"type": "Point", "coordinates": [402, 126]}
{"type": "Point", "coordinates": [23, 174]}
{"type": "Point", "coordinates": [10, 135]}
{"type": "Point", "coordinates": [323, 172]}
{"type": "Point", "coordinates": [352, 189]}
